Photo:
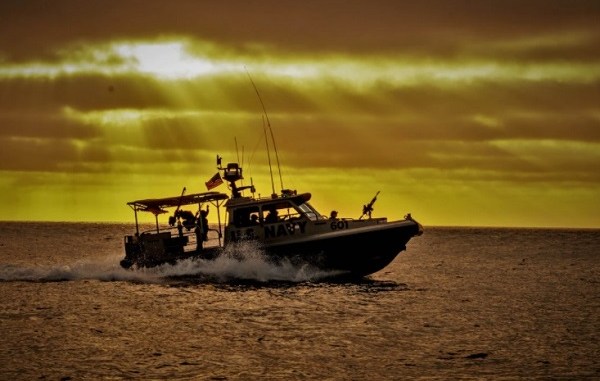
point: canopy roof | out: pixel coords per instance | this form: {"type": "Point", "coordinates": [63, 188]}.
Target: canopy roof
{"type": "Point", "coordinates": [269, 201]}
{"type": "Point", "coordinates": [157, 205]}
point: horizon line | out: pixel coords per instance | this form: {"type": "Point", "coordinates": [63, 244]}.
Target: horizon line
{"type": "Point", "coordinates": [425, 226]}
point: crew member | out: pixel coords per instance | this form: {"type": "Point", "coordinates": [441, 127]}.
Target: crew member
{"type": "Point", "coordinates": [204, 223]}
{"type": "Point", "coordinates": [272, 216]}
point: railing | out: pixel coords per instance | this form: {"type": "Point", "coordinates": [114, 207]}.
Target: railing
{"type": "Point", "coordinates": [192, 243]}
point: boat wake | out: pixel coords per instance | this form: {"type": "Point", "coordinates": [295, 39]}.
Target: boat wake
{"type": "Point", "coordinates": [242, 262]}
{"type": "Point", "coordinates": [245, 261]}
{"type": "Point", "coordinates": [103, 270]}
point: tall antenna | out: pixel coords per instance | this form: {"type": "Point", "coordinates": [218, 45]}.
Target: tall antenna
{"type": "Point", "coordinates": [269, 157]}
{"type": "Point", "coordinates": [242, 156]}
{"type": "Point", "coordinates": [237, 151]}
{"type": "Point", "coordinates": [270, 130]}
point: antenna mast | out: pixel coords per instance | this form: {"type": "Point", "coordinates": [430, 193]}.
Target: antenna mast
{"type": "Point", "coordinates": [237, 151]}
{"type": "Point", "coordinates": [270, 130]}
{"type": "Point", "coordinates": [269, 157]}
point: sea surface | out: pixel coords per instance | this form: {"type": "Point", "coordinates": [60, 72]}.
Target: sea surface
{"type": "Point", "coordinates": [460, 303]}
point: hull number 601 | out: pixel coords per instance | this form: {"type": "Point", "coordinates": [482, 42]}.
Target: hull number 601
{"type": "Point", "coordinates": [338, 225]}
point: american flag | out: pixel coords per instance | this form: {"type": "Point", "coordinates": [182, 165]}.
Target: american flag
{"type": "Point", "coordinates": [214, 181]}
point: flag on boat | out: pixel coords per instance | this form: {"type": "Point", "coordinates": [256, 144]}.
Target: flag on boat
{"type": "Point", "coordinates": [214, 181]}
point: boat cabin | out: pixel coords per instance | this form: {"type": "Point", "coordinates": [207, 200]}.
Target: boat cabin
{"type": "Point", "coordinates": [269, 218]}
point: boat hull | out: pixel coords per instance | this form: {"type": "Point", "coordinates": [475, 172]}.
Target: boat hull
{"type": "Point", "coordinates": [356, 252]}
{"type": "Point", "coordinates": [353, 252]}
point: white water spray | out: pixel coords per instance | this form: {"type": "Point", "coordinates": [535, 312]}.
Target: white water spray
{"type": "Point", "coordinates": [244, 261]}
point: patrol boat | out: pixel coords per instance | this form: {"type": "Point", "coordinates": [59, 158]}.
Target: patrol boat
{"type": "Point", "coordinates": [285, 226]}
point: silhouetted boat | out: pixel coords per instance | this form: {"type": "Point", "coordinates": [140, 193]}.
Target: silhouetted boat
{"type": "Point", "coordinates": [285, 226]}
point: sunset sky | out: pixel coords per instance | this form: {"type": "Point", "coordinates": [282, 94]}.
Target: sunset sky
{"type": "Point", "coordinates": [470, 113]}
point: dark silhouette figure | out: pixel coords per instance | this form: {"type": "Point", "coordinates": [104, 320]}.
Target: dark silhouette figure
{"type": "Point", "coordinates": [204, 224]}
{"type": "Point", "coordinates": [272, 216]}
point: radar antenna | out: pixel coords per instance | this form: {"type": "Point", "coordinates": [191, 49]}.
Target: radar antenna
{"type": "Point", "coordinates": [232, 173]}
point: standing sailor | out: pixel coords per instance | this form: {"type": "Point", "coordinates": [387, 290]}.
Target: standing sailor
{"type": "Point", "coordinates": [203, 215]}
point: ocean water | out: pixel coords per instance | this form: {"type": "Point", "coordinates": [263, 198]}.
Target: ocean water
{"type": "Point", "coordinates": [470, 303]}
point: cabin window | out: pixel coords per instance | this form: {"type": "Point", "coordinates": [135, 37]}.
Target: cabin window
{"type": "Point", "coordinates": [284, 211]}
{"type": "Point", "coordinates": [243, 217]}
{"type": "Point", "coordinates": [309, 211]}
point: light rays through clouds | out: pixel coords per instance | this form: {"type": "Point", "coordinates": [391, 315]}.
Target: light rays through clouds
{"type": "Point", "coordinates": [460, 124]}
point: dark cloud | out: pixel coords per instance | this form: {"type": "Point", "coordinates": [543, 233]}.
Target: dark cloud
{"type": "Point", "coordinates": [418, 126]}
{"type": "Point", "coordinates": [528, 109]}
{"type": "Point", "coordinates": [34, 28]}
{"type": "Point", "coordinates": [83, 92]}
{"type": "Point", "coordinates": [93, 92]}
{"type": "Point", "coordinates": [36, 154]}
{"type": "Point", "coordinates": [45, 125]}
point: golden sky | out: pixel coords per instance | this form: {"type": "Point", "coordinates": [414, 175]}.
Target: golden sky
{"type": "Point", "coordinates": [460, 112]}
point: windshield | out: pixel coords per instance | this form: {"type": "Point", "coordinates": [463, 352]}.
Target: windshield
{"type": "Point", "coordinates": [309, 211]}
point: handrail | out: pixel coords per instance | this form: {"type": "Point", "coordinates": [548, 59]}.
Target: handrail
{"type": "Point", "coordinates": [173, 230]}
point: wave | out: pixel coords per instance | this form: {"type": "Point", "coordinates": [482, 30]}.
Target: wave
{"type": "Point", "coordinates": [244, 261]}
{"type": "Point", "coordinates": [81, 270]}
